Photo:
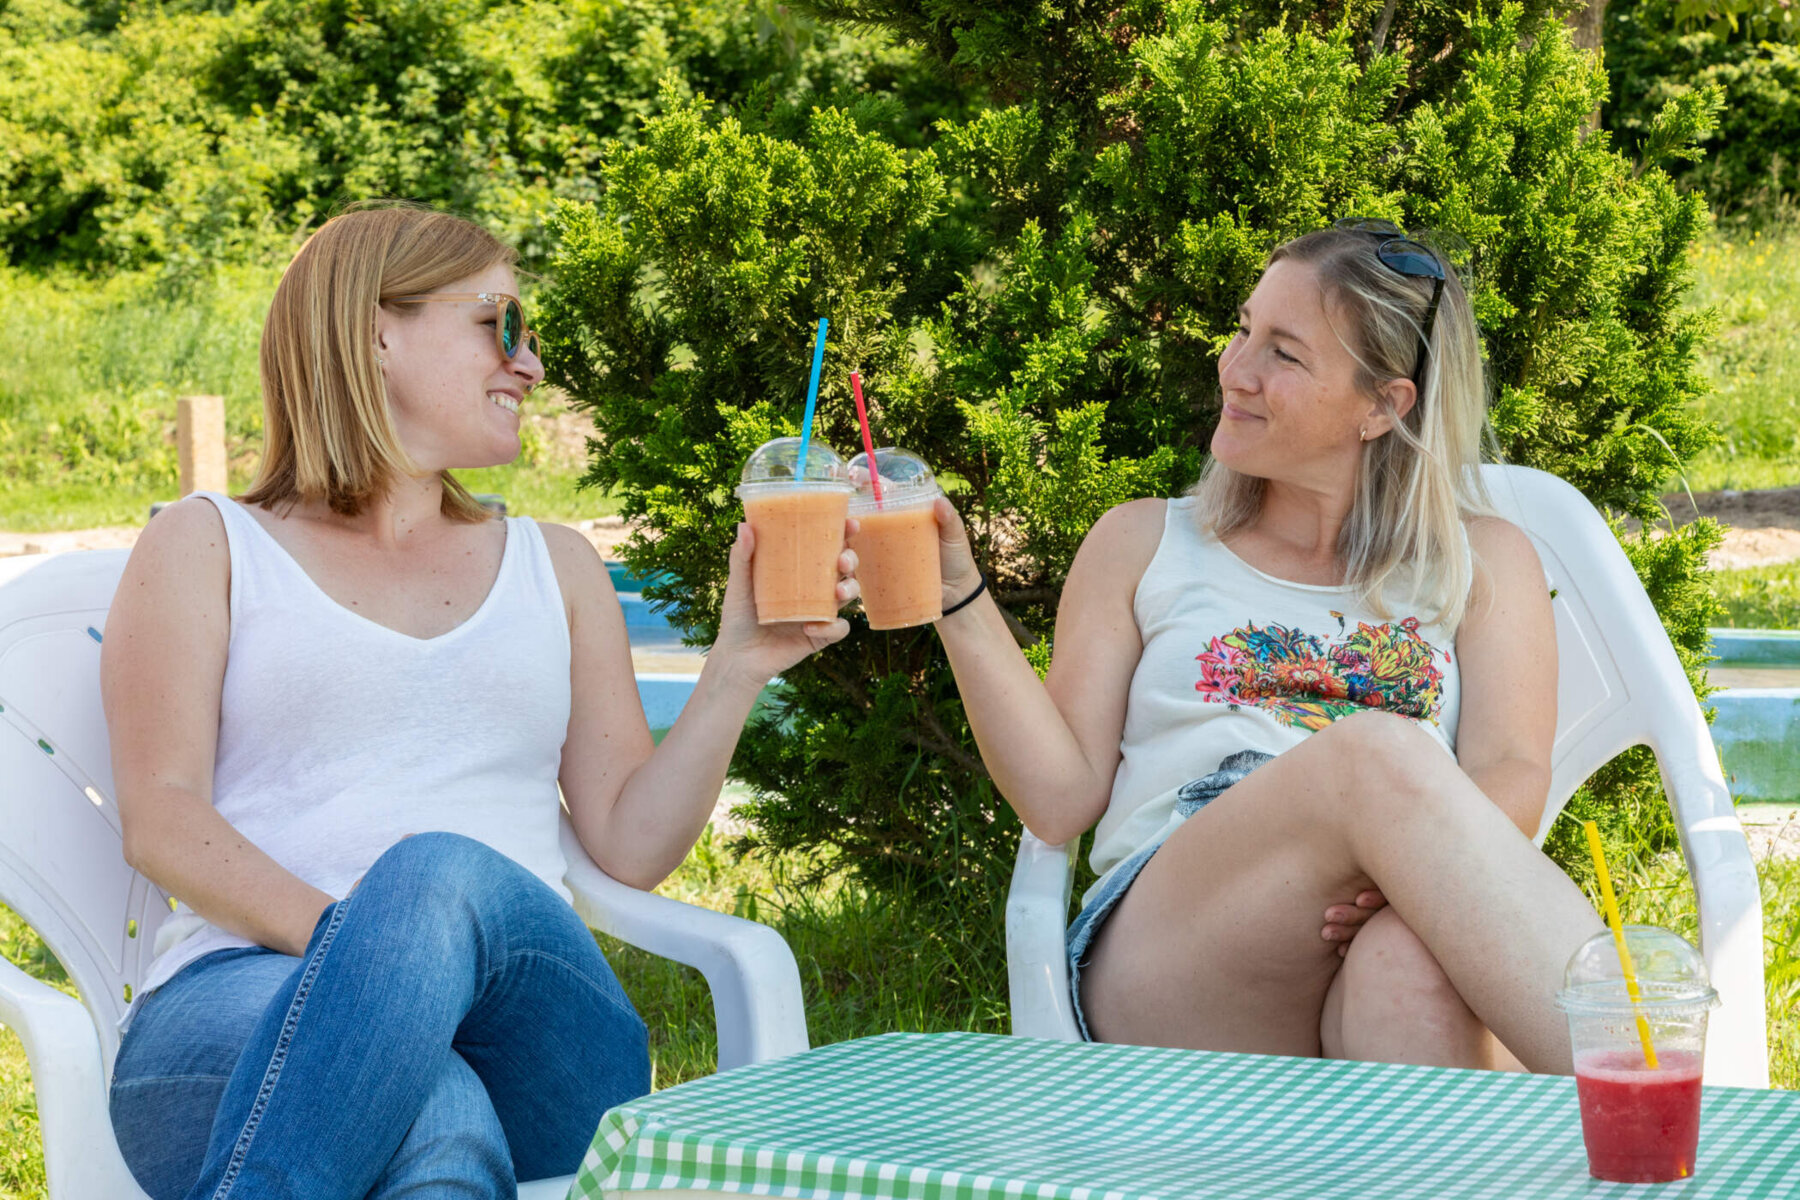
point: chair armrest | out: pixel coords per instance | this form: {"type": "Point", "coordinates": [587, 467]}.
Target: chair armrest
{"type": "Point", "coordinates": [1037, 915]}
{"type": "Point", "coordinates": [755, 982]}
{"type": "Point", "coordinates": [1730, 903]}
{"type": "Point", "coordinates": [81, 1157]}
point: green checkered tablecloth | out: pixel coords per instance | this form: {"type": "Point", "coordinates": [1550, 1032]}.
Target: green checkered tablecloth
{"type": "Point", "coordinates": [964, 1116]}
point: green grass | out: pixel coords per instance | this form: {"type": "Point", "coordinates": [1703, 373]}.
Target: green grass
{"type": "Point", "coordinates": [1753, 281]}
{"type": "Point", "coordinates": [88, 390]}
{"type": "Point", "coordinates": [1760, 597]}
{"type": "Point", "coordinates": [1658, 891]}
{"type": "Point", "coordinates": [871, 966]}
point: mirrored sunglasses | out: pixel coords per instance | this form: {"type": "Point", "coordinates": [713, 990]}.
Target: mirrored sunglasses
{"type": "Point", "coordinates": [511, 334]}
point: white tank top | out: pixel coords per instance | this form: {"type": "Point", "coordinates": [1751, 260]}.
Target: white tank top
{"type": "Point", "coordinates": [339, 736]}
{"type": "Point", "coordinates": [1235, 659]}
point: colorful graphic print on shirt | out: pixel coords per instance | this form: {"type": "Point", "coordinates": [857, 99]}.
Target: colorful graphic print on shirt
{"type": "Point", "coordinates": [1301, 679]}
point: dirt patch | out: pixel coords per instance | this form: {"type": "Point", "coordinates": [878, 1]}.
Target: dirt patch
{"type": "Point", "coordinates": [1772, 830]}
{"type": "Point", "coordinates": [1761, 527]}
{"type": "Point", "coordinates": [110, 537]}
{"type": "Point", "coordinates": [1772, 508]}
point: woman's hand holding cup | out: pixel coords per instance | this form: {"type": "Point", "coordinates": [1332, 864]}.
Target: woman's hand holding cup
{"type": "Point", "coordinates": [757, 652]}
{"type": "Point", "coordinates": [956, 558]}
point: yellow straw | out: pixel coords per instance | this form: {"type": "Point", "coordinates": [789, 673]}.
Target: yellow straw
{"type": "Point", "coordinates": [1618, 932]}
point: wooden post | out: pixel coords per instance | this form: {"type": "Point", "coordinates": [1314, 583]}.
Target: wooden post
{"type": "Point", "coordinates": [200, 442]}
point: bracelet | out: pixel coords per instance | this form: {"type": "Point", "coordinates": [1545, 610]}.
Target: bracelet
{"type": "Point", "coordinates": [966, 600]}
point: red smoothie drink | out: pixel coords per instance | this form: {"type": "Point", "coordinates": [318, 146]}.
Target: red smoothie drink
{"type": "Point", "coordinates": [1640, 1126]}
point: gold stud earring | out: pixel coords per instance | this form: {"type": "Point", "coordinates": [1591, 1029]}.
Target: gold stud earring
{"type": "Point", "coordinates": [1362, 435]}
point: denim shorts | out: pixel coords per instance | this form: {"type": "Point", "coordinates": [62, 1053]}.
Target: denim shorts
{"type": "Point", "coordinates": [1190, 799]}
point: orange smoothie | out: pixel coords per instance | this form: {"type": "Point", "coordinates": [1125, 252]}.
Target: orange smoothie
{"type": "Point", "coordinates": [897, 565]}
{"type": "Point", "coordinates": [799, 534]}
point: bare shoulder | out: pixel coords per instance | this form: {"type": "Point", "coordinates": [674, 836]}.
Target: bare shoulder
{"type": "Point", "coordinates": [565, 542]}
{"type": "Point", "coordinates": [1115, 554]}
{"type": "Point", "coordinates": [175, 594]}
{"type": "Point", "coordinates": [579, 569]}
{"type": "Point", "coordinates": [1504, 550]}
{"type": "Point", "coordinates": [1128, 533]}
{"type": "Point", "coordinates": [184, 539]}
{"type": "Point", "coordinates": [1507, 567]}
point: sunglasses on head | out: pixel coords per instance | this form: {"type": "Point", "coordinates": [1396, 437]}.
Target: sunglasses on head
{"type": "Point", "coordinates": [510, 331]}
{"type": "Point", "coordinates": [1403, 256]}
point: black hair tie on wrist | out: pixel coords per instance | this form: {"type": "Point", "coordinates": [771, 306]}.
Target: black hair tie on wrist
{"type": "Point", "coordinates": [967, 600]}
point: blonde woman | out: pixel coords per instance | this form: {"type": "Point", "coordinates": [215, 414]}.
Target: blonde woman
{"type": "Point", "coordinates": [299, 681]}
{"type": "Point", "coordinates": [1310, 705]}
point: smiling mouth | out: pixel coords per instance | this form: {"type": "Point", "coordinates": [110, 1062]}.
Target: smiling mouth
{"type": "Point", "coordinates": [505, 401]}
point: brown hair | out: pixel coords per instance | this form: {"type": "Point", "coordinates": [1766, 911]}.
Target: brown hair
{"type": "Point", "coordinates": [327, 432]}
{"type": "Point", "coordinates": [1419, 484]}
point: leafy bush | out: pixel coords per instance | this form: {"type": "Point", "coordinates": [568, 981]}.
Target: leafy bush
{"type": "Point", "coordinates": [112, 156]}
{"type": "Point", "coordinates": [1659, 50]}
{"type": "Point", "coordinates": [191, 134]}
{"type": "Point", "coordinates": [1037, 299]}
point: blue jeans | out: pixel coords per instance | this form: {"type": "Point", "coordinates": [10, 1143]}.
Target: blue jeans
{"type": "Point", "coordinates": [451, 1029]}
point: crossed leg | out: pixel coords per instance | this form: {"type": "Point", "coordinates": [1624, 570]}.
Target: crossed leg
{"type": "Point", "coordinates": [1217, 946]}
{"type": "Point", "coordinates": [1391, 1002]}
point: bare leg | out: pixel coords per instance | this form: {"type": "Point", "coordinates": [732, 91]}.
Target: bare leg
{"type": "Point", "coordinates": [1392, 1002]}
{"type": "Point", "coordinates": [1217, 943]}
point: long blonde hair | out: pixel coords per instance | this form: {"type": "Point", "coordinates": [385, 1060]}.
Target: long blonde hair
{"type": "Point", "coordinates": [327, 432]}
{"type": "Point", "coordinates": [1417, 485]}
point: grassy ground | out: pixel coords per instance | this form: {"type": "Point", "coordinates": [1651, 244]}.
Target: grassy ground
{"type": "Point", "coordinates": [1760, 597]}
{"type": "Point", "coordinates": [1753, 281]}
{"type": "Point", "coordinates": [867, 968]}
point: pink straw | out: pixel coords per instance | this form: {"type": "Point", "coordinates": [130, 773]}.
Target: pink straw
{"type": "Point", "coordinates": [862, 416]}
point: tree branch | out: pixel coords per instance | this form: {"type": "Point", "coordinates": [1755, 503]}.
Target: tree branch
{"type": "Point", "coordinates": [1381, 29]}
{"type": "Point", "coordinates": [946, 746]}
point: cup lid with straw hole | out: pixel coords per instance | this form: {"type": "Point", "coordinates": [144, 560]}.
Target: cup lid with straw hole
{"type": "Point", "coordinates": [775, 465]}
{"type": "Point", "coordinates": [1671, 975]}
{"type": "Point", "coordinates": [905, 480]}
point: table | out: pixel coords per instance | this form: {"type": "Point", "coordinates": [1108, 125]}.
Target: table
{"type": "Point", "coordinates": [964, 1116]}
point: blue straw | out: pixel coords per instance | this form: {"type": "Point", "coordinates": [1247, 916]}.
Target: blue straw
{"type": "Point", "coordinates": [812, 398]}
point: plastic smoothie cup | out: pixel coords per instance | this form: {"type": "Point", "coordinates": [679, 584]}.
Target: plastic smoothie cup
{"type": "Point", "coordinates": [799, 527]}
{"type": "Point", "coordinates": [1641, 1124]}
{"type": "Point", "coordinates": [897, 545]}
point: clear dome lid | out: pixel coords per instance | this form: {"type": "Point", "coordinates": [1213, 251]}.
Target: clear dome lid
{"type": "Point", "coordinates": [1671, 975]}
{"type": "Point", "coordinates": [777, 462]}
{"type": "Point", "coordinates": [905, 479]}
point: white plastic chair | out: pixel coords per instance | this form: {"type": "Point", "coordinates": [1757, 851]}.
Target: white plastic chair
{"type": "Point", "coordinates": [61, 869]}
{"type": "Point", "coordinates": [1619, 684]}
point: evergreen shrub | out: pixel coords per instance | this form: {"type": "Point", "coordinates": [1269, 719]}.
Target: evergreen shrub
{"type": "Point", "coordinates": [1037, 298]}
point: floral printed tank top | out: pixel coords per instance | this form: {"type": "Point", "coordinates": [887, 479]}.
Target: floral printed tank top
{"type": "Point", "coordinates": [1238, 660]}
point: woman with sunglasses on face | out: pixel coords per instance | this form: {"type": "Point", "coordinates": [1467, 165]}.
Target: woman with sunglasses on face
{"type": "Point", "coordinates": [1315, 696]}
{"type": "Point", "coordinates": [299, 681]}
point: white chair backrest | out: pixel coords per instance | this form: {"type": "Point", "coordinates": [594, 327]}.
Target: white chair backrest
{"type": "Point", "coordinates": [1618, 680]}
{"type": "Point", "coordinates": [61, 862]}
